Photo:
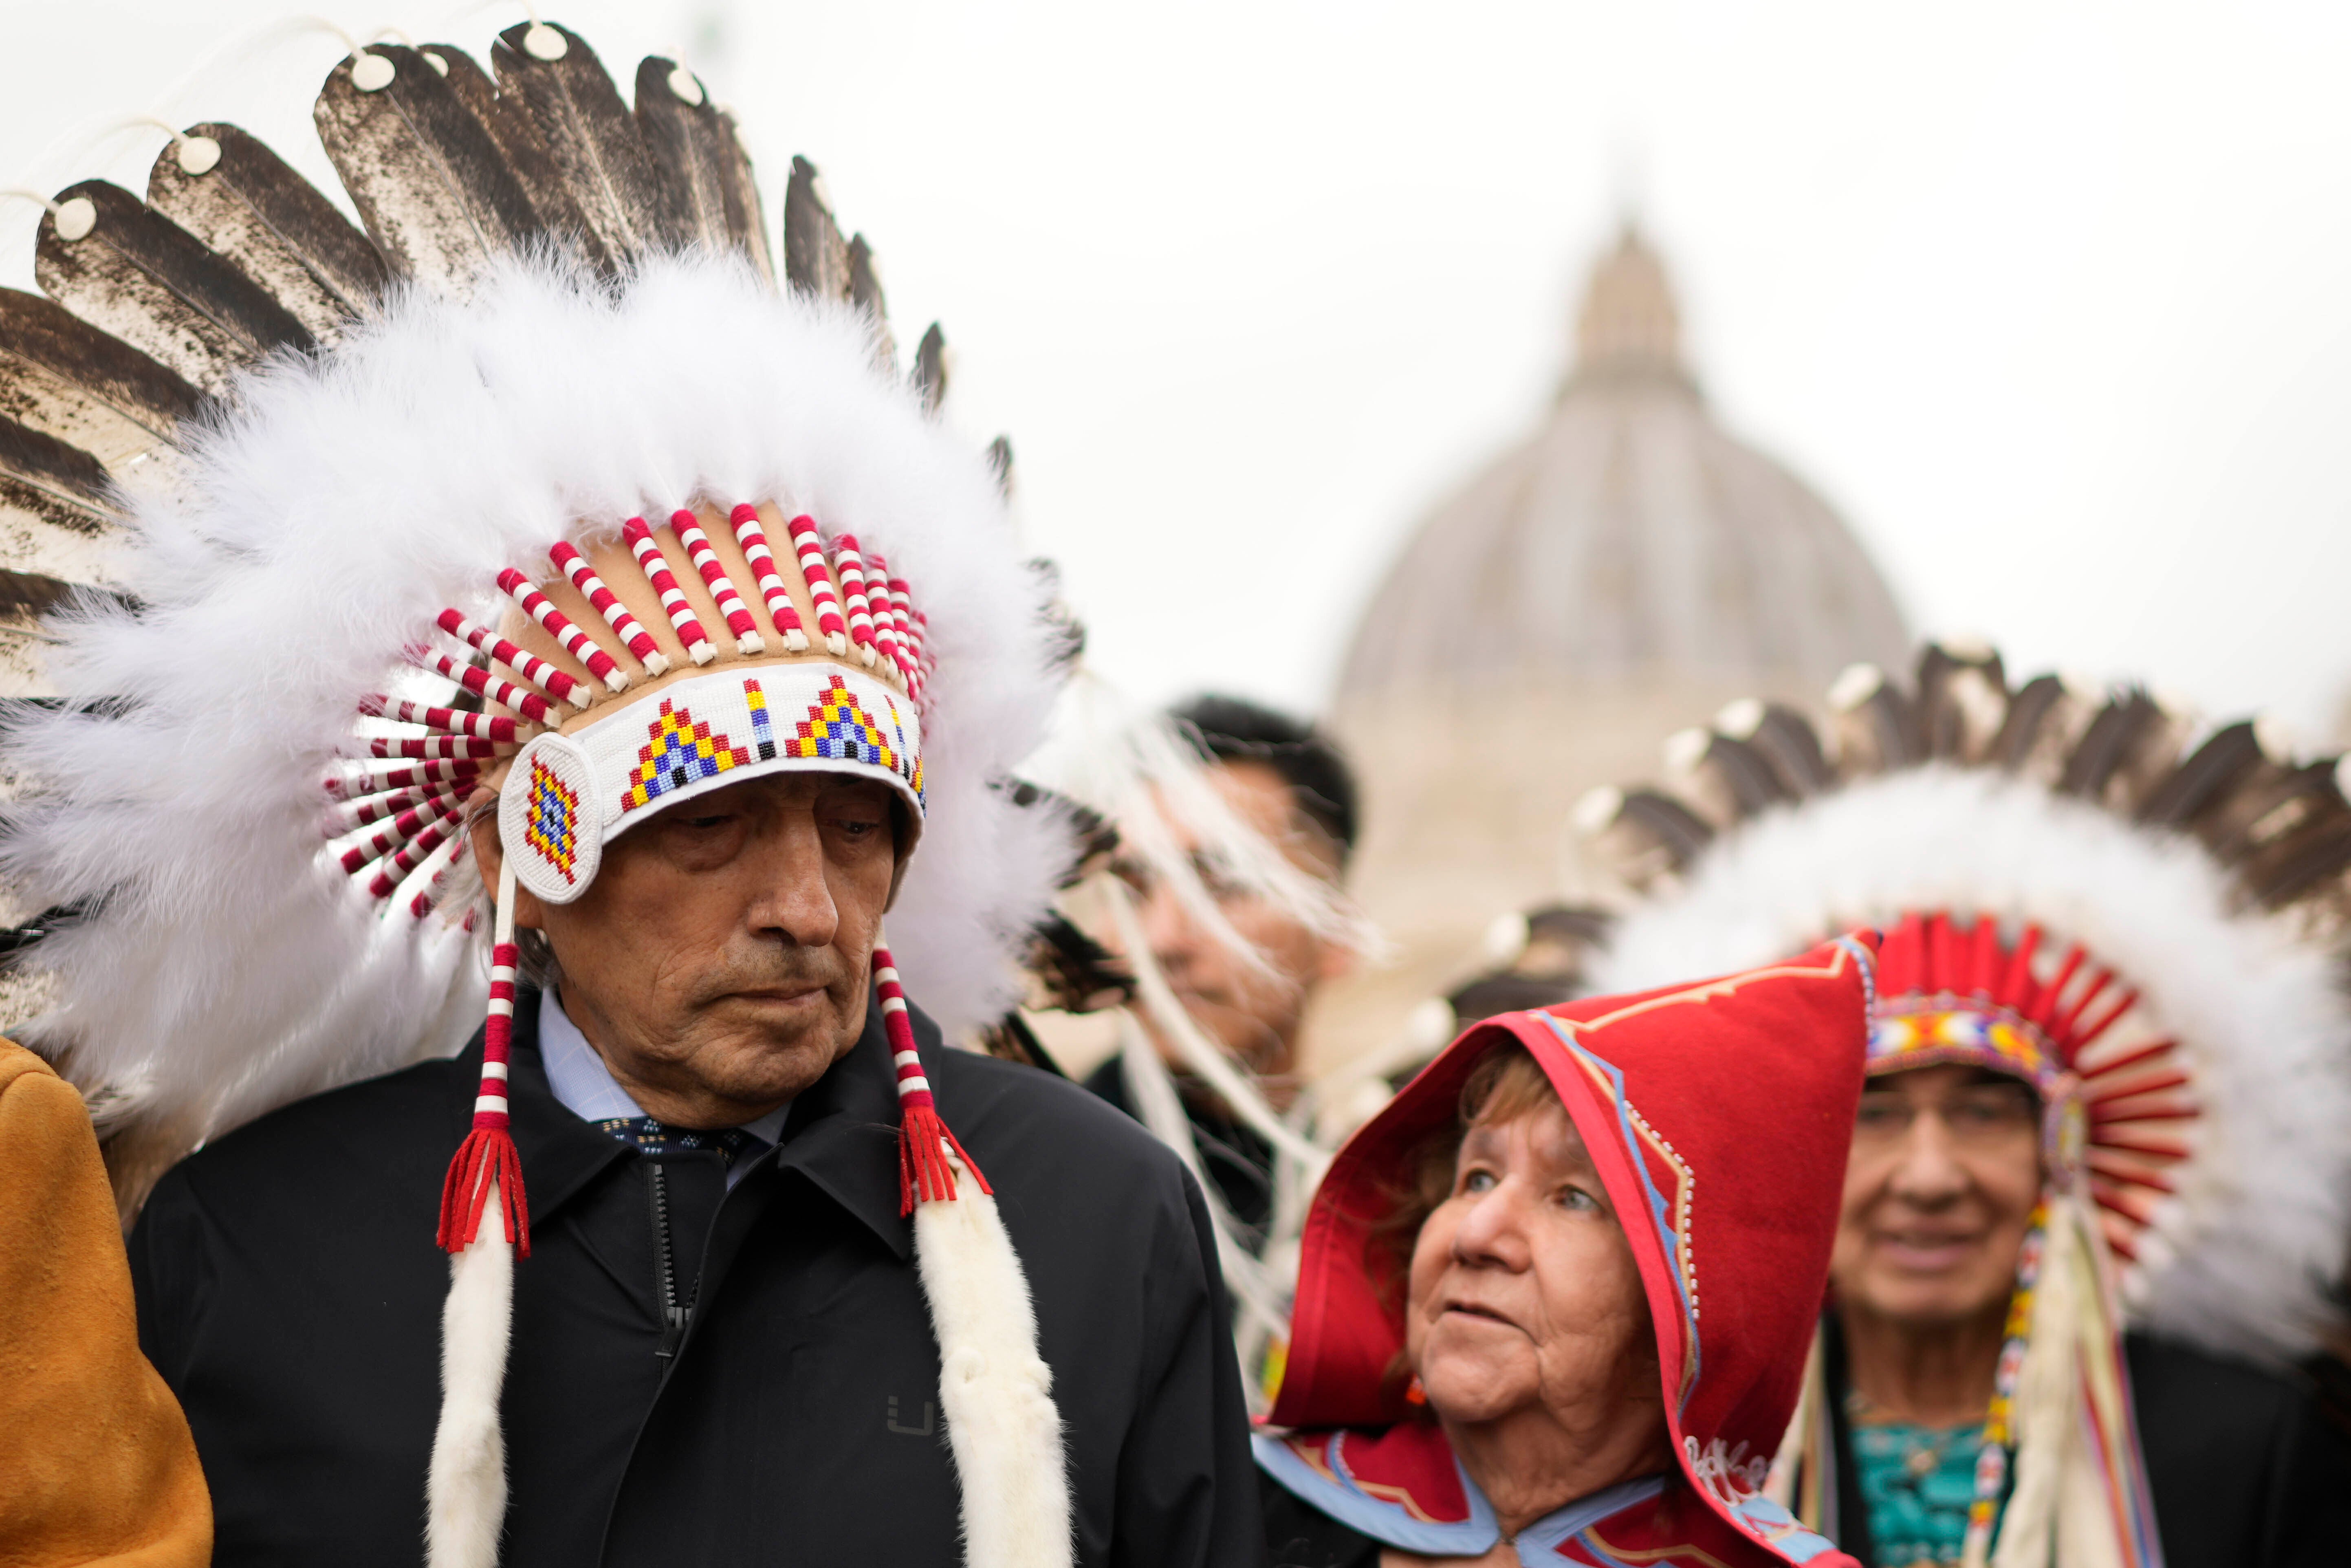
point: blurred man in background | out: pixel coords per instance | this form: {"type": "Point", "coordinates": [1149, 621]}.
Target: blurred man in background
{"type": "Point", "coordinates": [1285, 780]}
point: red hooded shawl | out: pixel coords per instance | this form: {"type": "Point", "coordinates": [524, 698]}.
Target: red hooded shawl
{"type": "Point", "coordinates": [1749, 1082]}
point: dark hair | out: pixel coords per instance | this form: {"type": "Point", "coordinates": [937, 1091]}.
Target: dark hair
{"type": "Point", "coordinates": [1229, 729]}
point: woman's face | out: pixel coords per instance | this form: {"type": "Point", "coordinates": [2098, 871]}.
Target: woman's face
{"type": "Point", "coordinates": [1524, 1289]}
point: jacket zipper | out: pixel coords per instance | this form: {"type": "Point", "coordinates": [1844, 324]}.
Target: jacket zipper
{"type": "Point", "coordinates": [675, 1314]}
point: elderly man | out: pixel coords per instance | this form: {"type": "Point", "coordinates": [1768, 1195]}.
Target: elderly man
{"type": "Point", "coordinates": [706, 1248]}
{"type": "Point", "coordinates": [1290, 783]}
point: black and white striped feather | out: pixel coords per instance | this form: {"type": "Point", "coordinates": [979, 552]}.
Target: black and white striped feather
{"type": "Point", "coordinates": [63, 377]}
{"type": "Point", "coordinates": [434, 189]}
{"type": "Point", "coordinates": [255, 212]}
{"type": "Point", "coordinates": [695, 153]}
{"type": "Point", "coordinates": [816, 258]}
{"type": "Point", "coordinates": [143, 278]}
{"type": "Point", "coordinates": [593, 142]}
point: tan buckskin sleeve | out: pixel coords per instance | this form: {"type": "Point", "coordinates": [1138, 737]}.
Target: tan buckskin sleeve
{"type": "Point", "coordinates": [96, 1463]}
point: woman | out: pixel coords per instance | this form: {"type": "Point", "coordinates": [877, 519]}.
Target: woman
{"type": "Point", "coordinates": [1499, 1355]}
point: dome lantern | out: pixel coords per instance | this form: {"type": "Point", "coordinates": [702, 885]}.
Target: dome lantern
{"type": "Point", "coordinates": [1629, 326]}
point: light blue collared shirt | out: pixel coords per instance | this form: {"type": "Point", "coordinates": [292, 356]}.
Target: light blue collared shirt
{"type": "Point", "coordinates": [589, 1091]}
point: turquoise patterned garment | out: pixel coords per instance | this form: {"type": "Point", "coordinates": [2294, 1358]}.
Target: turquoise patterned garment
{"type": "Point", "coordinates": [1917, 1482]}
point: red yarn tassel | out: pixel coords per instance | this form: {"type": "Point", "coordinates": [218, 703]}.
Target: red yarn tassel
{"type": "Point", "coordinates": [487, 1151]}
{"type": "Point", "coordinates": [924, 1175]}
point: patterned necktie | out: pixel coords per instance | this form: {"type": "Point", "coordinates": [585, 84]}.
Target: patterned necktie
{"type": "Point", "coordinates": [649, 1135]}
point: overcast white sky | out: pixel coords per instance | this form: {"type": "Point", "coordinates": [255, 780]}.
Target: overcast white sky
{"type": "Point", "coordinates": [2054, 301]}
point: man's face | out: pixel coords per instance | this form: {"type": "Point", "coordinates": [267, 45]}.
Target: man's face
{"type": "Point", "coordinates": [719, 960]}
{"type": "Point", "coordinates": [1945, 1170]}
{"type": "Point", "coordinates": [1253, 1013]}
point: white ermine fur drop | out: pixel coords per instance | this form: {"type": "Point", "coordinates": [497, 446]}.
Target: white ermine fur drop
{"type": "Point", "coordinates": [996, 1392]}
{"type": "Point", "coordinates": [2239, 1260]}
{"type": "Point", "coordinates": [465, 1490]}
{"type": "Point", "coordinates": [221, 969]}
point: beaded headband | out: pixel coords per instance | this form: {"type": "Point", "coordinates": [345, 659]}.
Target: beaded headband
{"type": "Point", "coordinates": [2114, 1101]}
{"type": "Point", "coordinates": [849, 700]}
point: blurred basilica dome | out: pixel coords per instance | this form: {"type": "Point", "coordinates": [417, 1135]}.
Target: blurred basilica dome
{"type": "Point", "coordinates": [1629, 535]}
{"type": "Point", "coordinates": [1622, 572]}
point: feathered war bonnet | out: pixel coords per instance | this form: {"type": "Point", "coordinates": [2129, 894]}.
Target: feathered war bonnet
{"type": "Point", "coordinates": [2145, 924]}
{"type": "Point", "coordinates": [540, 483]}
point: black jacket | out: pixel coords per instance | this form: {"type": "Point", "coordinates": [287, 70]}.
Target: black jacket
{"type": "Point", "coordinates": [2242, 1472]}
{"type": "Point", "coordinates": [290, 1293]}
{"type": "Point", "coordinates": [1299, 1535]}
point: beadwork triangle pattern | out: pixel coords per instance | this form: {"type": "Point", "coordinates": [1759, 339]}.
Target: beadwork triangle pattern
{"type": "Point", "coordinates": [839, 728]}
{"type": "Point", "coordinates": [679, 750]}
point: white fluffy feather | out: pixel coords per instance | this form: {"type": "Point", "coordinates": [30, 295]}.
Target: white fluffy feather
{"type": "Point", "coordinates": [222, 969]}
{"type": "Point", "coordinates": [2240, 1260]}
